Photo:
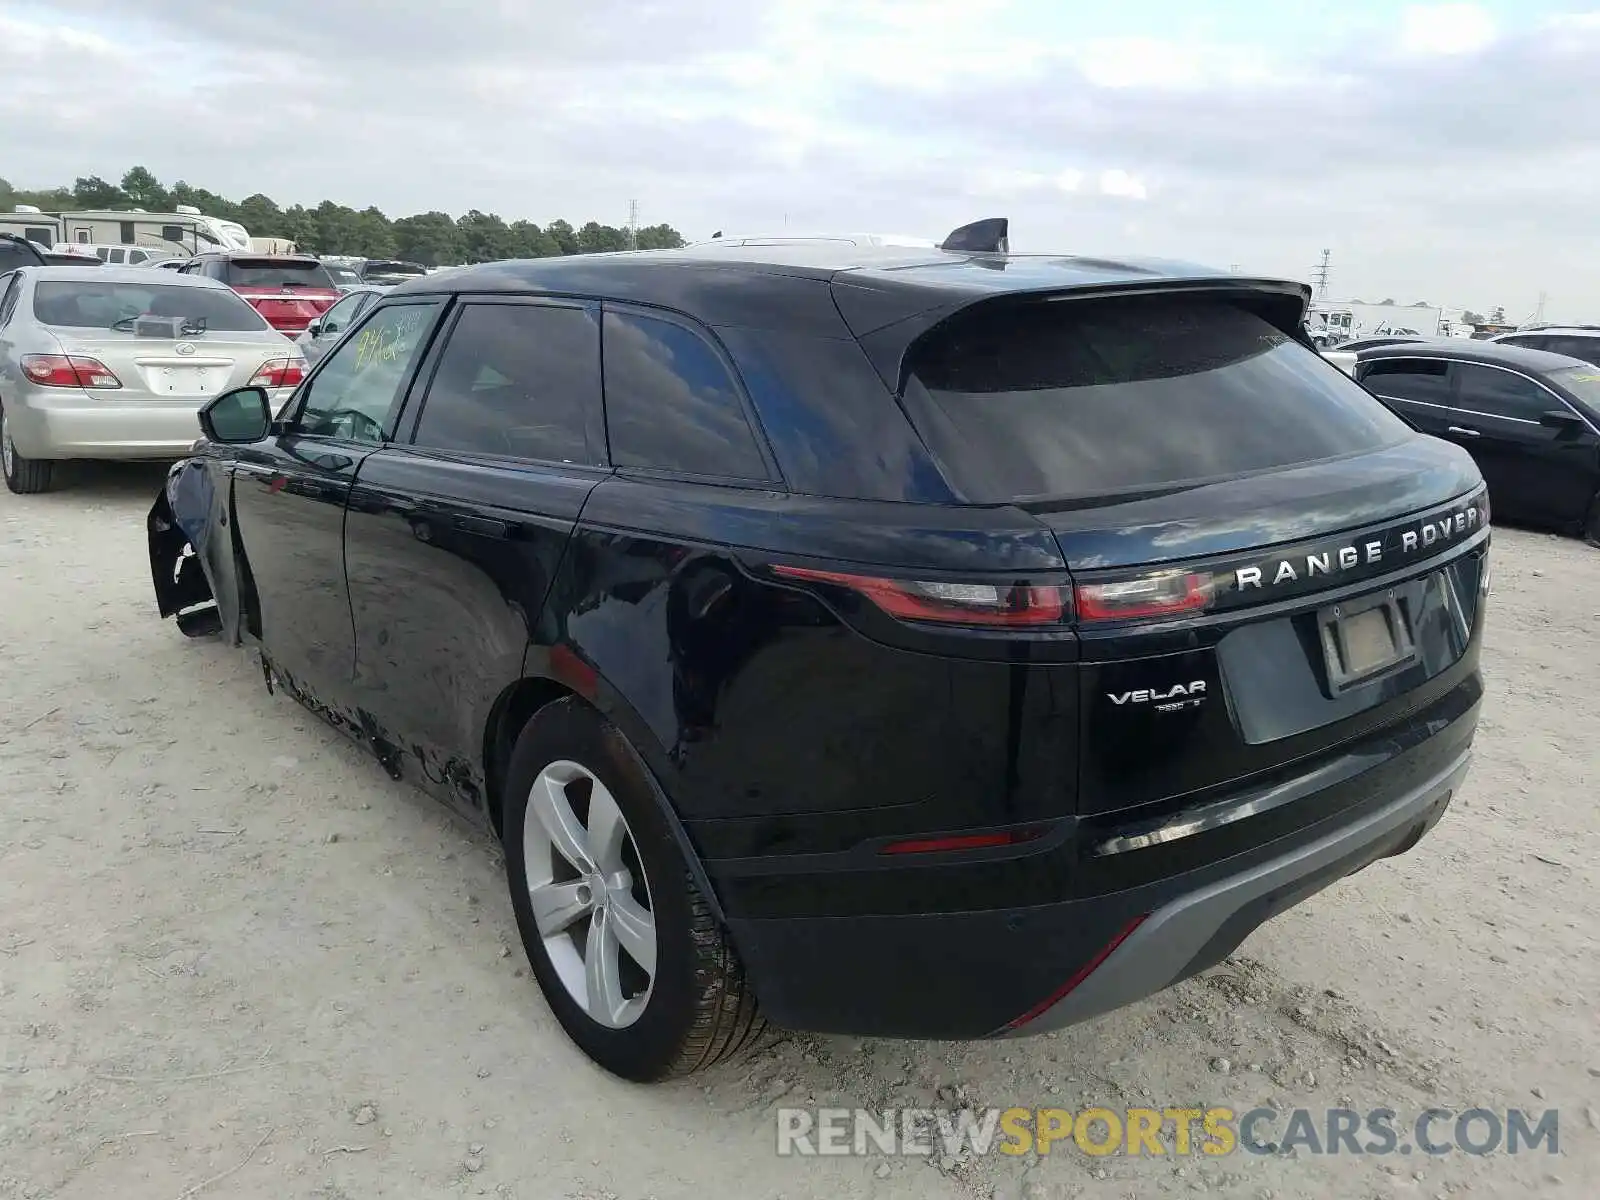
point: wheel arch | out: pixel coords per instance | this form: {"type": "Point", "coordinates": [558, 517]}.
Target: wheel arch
{"type": "Point", "coordinates": [521, 701]}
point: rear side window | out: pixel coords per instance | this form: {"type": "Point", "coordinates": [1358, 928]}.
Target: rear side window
{"type": "Point", "coordinates": [1076, 398]}
{"type": "Point", "coordinates": [671, 403]}
{"type": "Point", "coordinates": [518, 380]}
{"type": "Point", "coordinates": [1424, 380]}
{"type": "Point", "coordinates": [1585, 348]}
{"type": "Point", "coordinates": [94, 304]}
{"type": "Point", "coordinates": [269, 272]}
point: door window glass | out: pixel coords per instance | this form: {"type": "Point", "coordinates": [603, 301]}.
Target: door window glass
{"type": "Point", "coordinates": [351, 396]}
{"type": "Point", "coordinates": [1421, 379]}
{"type": "Point", "coordinates": [1493, 392]}
{"type": "Point", "coordinates": [338, 318]}
{"type": "Point", "coordinates": [518, 380]}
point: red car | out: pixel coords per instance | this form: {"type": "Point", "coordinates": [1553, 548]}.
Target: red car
{"type": "Point", "coordinates": [289, 290]}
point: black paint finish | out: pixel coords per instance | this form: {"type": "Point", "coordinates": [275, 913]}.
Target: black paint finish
{"type": "Point", "coordinates": [428, 602]}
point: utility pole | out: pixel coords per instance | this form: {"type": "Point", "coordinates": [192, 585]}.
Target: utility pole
{"type": "Point", "coordinates": [1319, 275]}
{"type": "Point", "coordinates": [633, 224]}
{"type": "Point", "coordinates": [1538, 315]}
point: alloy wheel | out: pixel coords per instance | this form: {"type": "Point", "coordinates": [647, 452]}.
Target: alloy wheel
{"type": "Point", "coordinates": [589, 895]}
{"type": "Point", "coordinates": [8, 452]}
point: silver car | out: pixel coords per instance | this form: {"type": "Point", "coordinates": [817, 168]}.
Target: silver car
{"type": "Point", "coordinates": [116, 363]}
{"type": "Point", "coordinates": [320, 336]}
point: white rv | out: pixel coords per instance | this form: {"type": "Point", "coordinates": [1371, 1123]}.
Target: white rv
{"type": "Point", "coordinates": [184, 230]}
{"type": "Point", "coordinates": [27, 221]}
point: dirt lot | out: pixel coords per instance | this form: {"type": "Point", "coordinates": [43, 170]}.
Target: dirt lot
{"type": "Point", "coordinates": [235, 960]}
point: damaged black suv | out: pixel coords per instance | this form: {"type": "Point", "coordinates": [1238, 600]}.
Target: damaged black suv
{"type": "Point", "coordinates": [914, 643]}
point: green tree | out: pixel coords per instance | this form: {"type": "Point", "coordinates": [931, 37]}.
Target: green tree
{"type": "Point", "coordinates": [659, 237]}
{"type": "Point", "coordinates": [94, 192]}
{"type": "Point", "coordinates": [374, 235]}
{"type": "Point", "coordinates": [529, 241]}
{"type": "Point", "coordinates": [1497, 315]}
{"type": "Point", "coordinates": [430, 238]}
{"type": "Point", "coordinates": [485, 237]}
{"type": "Point", "coordinates": [145, 190]}
{"type": "Point", "coordinates": [562, 234]}
{"type": "Point", "coordinates": [595, 238]}
{"type": "Point", "coordinates": [1472, 318]}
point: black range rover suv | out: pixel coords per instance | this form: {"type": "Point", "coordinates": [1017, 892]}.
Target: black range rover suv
{"type": "Point", "coordinates": [901, 642]}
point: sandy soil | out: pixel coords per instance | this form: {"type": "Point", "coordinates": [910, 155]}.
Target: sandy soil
{"type": "Point", "coordinates": [236, 960]}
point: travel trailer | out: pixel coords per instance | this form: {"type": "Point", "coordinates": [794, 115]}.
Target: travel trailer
{"type": "Point", "coordinates": [28, 222]}
{"type": "Point", "coordinates": [184, 230]}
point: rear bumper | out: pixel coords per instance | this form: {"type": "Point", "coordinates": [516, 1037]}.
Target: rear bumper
{"type": "Point", "coordinates": [73, 424]}
{"type": "Point", "coordinates": [1164, 911]}
{"type": "Point", "coordinates": [1199, 929]}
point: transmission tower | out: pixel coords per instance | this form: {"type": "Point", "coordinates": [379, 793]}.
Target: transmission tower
{"type": "Point", "coordinates": [633, 224]}
{"type": "Point", "coordinates": [1319, 275]}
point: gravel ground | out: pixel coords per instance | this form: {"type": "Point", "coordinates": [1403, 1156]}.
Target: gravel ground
{"type": "Point", "coordinates": [236, 960]}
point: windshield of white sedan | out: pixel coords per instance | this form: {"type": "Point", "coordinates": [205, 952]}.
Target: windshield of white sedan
{"type": "Point", "coordinates": [94, 304]}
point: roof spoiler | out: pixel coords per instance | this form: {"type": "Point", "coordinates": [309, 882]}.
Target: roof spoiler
{"type": "Point", "coordinates": [988, 236]}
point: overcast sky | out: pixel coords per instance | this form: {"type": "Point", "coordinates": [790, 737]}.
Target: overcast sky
{"type": "Point", "coordinates": [1448, 153]}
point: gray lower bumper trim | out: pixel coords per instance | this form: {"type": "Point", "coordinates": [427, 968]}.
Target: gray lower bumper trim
{"type": "Point", "coordinates": [1171, 937]}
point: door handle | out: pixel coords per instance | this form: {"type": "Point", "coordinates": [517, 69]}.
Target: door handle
{"type": "Point", "coordinates": [1463, 431]}
{"type": "Point", "coordinates": [484, 526]}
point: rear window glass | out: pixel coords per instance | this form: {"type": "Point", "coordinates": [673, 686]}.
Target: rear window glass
{"type": "Point", "coordinates": [268, 272]}
{"type": "Point", "coordinates": [94, 304]}
{"type": "Point", "coordinates": [1075, 398]}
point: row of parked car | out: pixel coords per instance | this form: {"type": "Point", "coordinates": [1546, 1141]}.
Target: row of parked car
{"type": "Point", "coordinates": [106, 361]}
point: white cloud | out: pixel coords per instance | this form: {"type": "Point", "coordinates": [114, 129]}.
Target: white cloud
{"type": "Point", "coordinates": [1420, 146]}
{"type": "Point", "coordinates": [1446, 29]}
{"type": "Point", "coordinates": [1117, 182]}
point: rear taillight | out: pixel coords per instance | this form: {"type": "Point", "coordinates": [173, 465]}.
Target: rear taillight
{"type": "Point", "coordinates": [280, 373]}
{"type": "Point", "coordinates": [1165, 593]}
{"type": "Point", "coordinates": [997, 605]}
{"type": "Point", "coordinates": [69, 370]}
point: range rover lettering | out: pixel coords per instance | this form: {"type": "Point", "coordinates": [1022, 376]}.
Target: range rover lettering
{"type": "Point", "coordinates": [877, 639]}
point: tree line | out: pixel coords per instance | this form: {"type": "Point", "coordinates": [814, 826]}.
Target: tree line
{"type": "Point", "coordinates": [431, 238]}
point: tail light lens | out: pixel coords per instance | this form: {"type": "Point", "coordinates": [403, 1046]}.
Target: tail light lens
{"type": "Point", "coordinates": [1168, 593]}
{"type": "Point", "coordinates": [996, 605]}
{"type": "Point", "coordinates": [69, 370]}
{"type": "Point", "coordinates": [280, 373]}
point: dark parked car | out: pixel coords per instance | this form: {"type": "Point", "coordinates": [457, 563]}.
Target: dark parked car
{"type": "Point", "coordinates": [18, 251]}
{"type": "Point", "coordinates": [1529, 417]}
{"type": "Point", "coordinates": [910, 643]}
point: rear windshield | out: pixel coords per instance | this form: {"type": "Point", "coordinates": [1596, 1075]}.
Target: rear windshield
{"type": "Point", "coordinates": [93, 304]}
{"type": "Point", "coordinates": [277, 273]}
{"type": "Point", "coordinates": [1073, 398]}
{"type": "Point", "coordinates": [342, 274]}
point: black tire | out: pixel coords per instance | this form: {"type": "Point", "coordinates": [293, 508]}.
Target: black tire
{"type": "Point", "coordinates": [24, 476]}
{"type": "Point", "coordinates": [700, 1008]}
{"type": "Point", "coordinates": [1591, 527]}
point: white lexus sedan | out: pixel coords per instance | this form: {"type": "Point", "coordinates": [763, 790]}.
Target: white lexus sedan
{"type": "Point", "coordinates": [116, 363]}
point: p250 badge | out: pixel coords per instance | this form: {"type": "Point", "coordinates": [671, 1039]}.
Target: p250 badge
{"type": "Point", "coordinates": [1178, 696]}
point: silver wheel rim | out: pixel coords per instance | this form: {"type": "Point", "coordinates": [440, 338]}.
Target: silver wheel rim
{"type": "Point", "coordinates": [589, 895]}
{"type": "Point", "coordinates": [8, 452]}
